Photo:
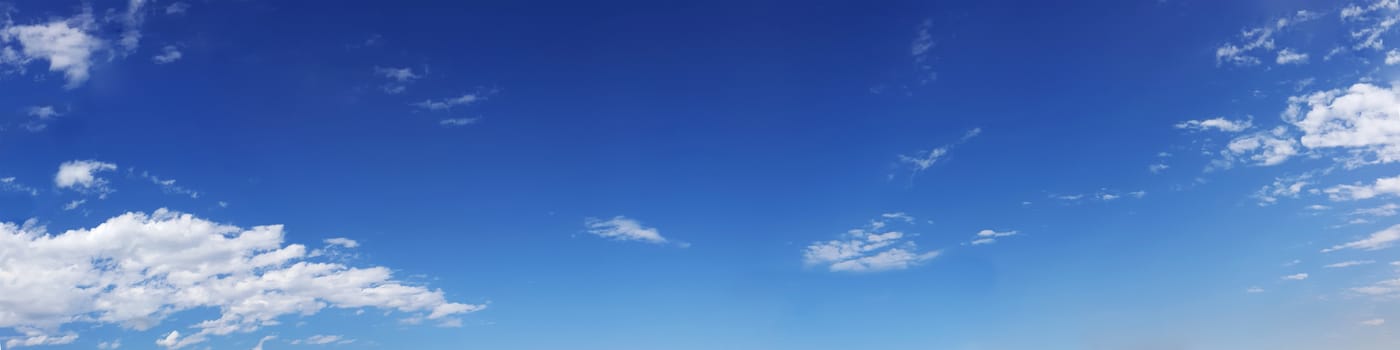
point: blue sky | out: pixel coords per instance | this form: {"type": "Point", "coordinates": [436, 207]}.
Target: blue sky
{"type": "Point", "coordinates": [728, 175]}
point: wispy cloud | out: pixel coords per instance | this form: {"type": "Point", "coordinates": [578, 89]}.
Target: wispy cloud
{"type": "Point", "coordinates": [922, 160]}
{"type": "Point", "coordinates": [868, 249]}
{"type": "Point", "coordinates": [1378, 240]}
{"type": "Point", "coordinates": [623, 229]}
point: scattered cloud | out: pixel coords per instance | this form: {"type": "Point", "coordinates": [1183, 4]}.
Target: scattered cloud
{"type": "Point", "coordinates": [81, 175]}
{"type": "Point", "coordinates": [1379, 240]}
{"type": "Point", "coordinates": [1158, 168]}
{"type": "Point", "coordinates": [1219, 123]}
{"type": "Point", "coordinates": [135, 270]}
{"type": "Point", "coordinates": [1373, 322]}
{"type": "Point", "coordinates": [920, 49]}
{"type": "Point", "coordinates": [1349, 264]}
{"type": "Point", "coordinates": [1241, 52]}
{"type": "Point", "coordinates": [1288, 56]}
{"type": "Point", "coordinates": [1264, 148]}
{"type": "Point", "coordinates": [1296, 277]}
{"type": "Point", "coordinates": [178, 8]}
{"type": "Point", "coordinates": [264, 340]}
{"type": "Point", "coordinates": [74, 204]}
{"type": "Point", "coordinates": [343, 242]}
{"type": "Point", "coordinates": [454, 122]}
{"type": "Point", "coordinates": [168, 54]}
{"type": "Point", "coordinates": [166, 185]}
{"type": "Point", "coordinates": [109, 345]}
{"type": "Point", "coordinates": [448, 103]}
{"type": "Point", "coordinates": [1357, 191]}
{"type": "Point", "coordinates": [1360, 118]}
{"type": "Point", "coordinates": [1388, 209]}
{"type": "Point", "coordinates": [623, 229]}
{"type": "Point", "coordinates": [922, 160]}
{"type": "Point", "coordinates": [1254, 290]}
{"type": "Point", "coordinates": [868, 249]}
{"type": "Point", "coordinates": [399, 78]}
{"type": "Point", "coordinates": [9, 184]}
{"type": "Point", "coordinates": [990, 236]}
{"type": "Point", "coordinates": [321, 339]}
{"type": "Point", "coordinates": [66, 44]}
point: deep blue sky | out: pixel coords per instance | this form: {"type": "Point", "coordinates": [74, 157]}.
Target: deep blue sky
{"type": "Point", "coordinates": [747, 136]}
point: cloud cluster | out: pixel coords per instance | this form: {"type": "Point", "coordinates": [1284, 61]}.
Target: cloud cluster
{"type": "Point", "coordinates": [135, 270]}
{"type": "Point", "coordinates": [870, 248]}
{"type": "Point", "coordinates": [66, 44]}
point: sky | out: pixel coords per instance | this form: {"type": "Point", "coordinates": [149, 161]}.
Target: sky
{"type": "Point", "coordinates": [974, 175]}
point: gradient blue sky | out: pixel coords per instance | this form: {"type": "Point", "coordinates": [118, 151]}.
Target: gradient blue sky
{"type": "Point", "coordinates": [1154, 175]}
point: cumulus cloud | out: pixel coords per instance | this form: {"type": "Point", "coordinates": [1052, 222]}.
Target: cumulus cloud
{"type": "Point", "coordinates": [623, 229]}
{"type": "Point", "coordinates": [81, 175]}
{"type": "Point", "coordinates": [1363, 117]}
{"type": "Point", "coordinates": [868, 249]}
{"type": "Point", "coordinates": [1379, 240]}
{"type": "Point", "coordinates": [1382, 186]}
{"type": "Point", "coordinates": [135, 270]}
{"type": "Point", "coordinates": [1262, 148]}
{"type": "Point", "coordinates": [66, 44]}
{"type": "Point", "coordinates": [1220, 124]}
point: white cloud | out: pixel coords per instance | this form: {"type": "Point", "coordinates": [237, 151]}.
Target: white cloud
{"type": "Point", "coordinates": [1253, 290]}
{"type": "Point", "coordinates": [166, 185]}
{"type": "Point", "coordinates": [131, 26]}
{"type": "Point", "coordinates": [1392, 57]}
{"type": "Point", "coordinates": [111, 345]}
{"type": "Point", "coordinates": [35, 337]}
{"type": "Point", "coordinates": [867, 249]}
{"type": "Point", "coordinates": [920, 49]}
{"type": "Point", "coordinates": [922, 160]}
{"type": "Point", "coordinates": [43, 112]}
{"type": "Point", "coordinates": [1296, 277]}
{"type": "Point", "coordinates": [264, 340]}
{"type": "Point", "coordinates": [1219, 123]}
{"type": "Point", "coordinates": [1373, 322]}
{"type": "Point", "coordinates": [1263, 148]}
{"type": "Point", "coordinates": [623, 229]}
{"type": "Point", "coordinates": [135, 270]}
{"type": "Point", "coordinates": [990, 236]}
{"type": "Point", "coordinates": [1363, 117]}
{"type": "Point", "coordinates": [1355, 12]}
{"type": "Point", "coordinates": [448, 103]}
{"type": "Point", "coordinates": [1349, 264]}
{"type": "Point", "coordinates": [1379, 240]}
{"type": "Point", "coordinates": [9, 184]}
{"type": "Point", "coordinates": [65, 44]}
{"type": "Point", "coordinates": [1382, 186]}
{"type": "Point", "coordinates": [1288, 56]}
{"type": "Point", "coordinates": [1288, 186]}
{"type": "Point", "coordinates": [321, 339]}
{"type": "Point", "coordinates": [178, 8]}
{"type": "Point", "coordinates": [451, 122]}
{"type": "Point", "coordinates": [168, 54]}
{"type": "Point", "coordinates": [399, 78]}
{"type": "Point", "coordinates": [1157, 168]}
{"type": "Point", "coordinates": [1388, 209]}
{"type": "Point", "coordinates": [343, 242]}
{"type": "Point", "coordinates": [81, 175]}
{"type": "Point", "coordinates": [74, 204]}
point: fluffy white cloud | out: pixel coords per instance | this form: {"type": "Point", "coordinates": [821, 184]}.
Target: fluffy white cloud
{"type": "Point", "coordinates": [135, 270]}
{"type": "Point", "coordinates": [1392, 57]}
{"type": "Point", "coordinates": [1379, 240]}
{"type": "Point", "coordinates": [168, 54]}
{"type": "Point", "coordinates": [65, 44]}
{"type": "Point", "coordinates": [1288, 56]}
{"type": "Point", "coordinates": [1288, 186]}
{"type": "Point", "coordinates": [1363, 117]}
{"type": "Point", "coordinates": [1382, 186]}
{"type": "Point", "coordinates": [868, 249]}
{"type": "Point", "coordinates": [1220, 123]}
{"type": "Point", "coordinates": [81, 175]}
{"type": "Point", "coordinates": [623, 229]}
